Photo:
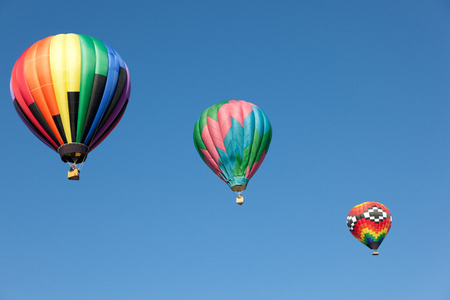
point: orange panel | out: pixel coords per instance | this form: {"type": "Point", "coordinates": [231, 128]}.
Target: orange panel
{"type": "Point", "coordinates": [36, 91]}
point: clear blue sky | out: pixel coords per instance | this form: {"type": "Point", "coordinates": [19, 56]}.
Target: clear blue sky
{"type": "Point", "coordinates": [358, 96]}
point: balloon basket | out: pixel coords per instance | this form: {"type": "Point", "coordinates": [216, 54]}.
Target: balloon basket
{"type": "Point", "coordinates": [375, 252]}
{"type": "Point", "coordinates": [74, 173]}
{"type": "Point", "coordinates": [239, 199]}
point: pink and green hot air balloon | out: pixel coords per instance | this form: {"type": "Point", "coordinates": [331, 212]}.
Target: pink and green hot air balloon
{"type": "Point", "coordinates": [233, 137]}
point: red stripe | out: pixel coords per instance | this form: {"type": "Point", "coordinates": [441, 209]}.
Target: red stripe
{"type": "Point", "coordinates": [21, 92]}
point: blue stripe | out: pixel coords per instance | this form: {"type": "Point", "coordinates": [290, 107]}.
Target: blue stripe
{"type": "Point", "coordinates": [267, 125]}
{"type": "Point", "coordinates": [249, 129]}
{"type": "Point", "coordinates": [233, 143]}
{"type": "Point", "coordinates": [234, 140]}
{"type": "Point", "coordinates": [114, 64]}
{"type": "Point", "coordinates": [225, 165]}
{"type": "Point", "coordinates": [259, 120]}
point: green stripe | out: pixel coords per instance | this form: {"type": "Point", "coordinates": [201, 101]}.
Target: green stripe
{"type": "Point", "coordinates": [202, 121]}
{"type": "Point", "coordinates": [213, 110]}
{"type": "Point", "coordinates": [368, 236]}
{"type": "Point", "coordinates": [210, 112]}
{"type": "Point", "coordinates": [101, 66]}
{"type": "Point", "coordinates": [240, 168]}
{"type": "Point", "coordinates": [198, 142]}
{"type": "Point", "coordinates": [264, 144]}
{"type": "Point", "coordinates": [88, 61]}
{"type": "Point", "coordinates": [252, 150]}
{"type": "Point", "coordinates": [94, 60]}
{"type": "Point", "coordinates": [267, 139]}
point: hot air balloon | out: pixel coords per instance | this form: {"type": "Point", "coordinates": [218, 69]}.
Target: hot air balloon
{"type": "Point", "coordinates": [71, 91]}
{"type": "Point", "coordinates": [233, 137]}
{"type": "Point", "coordinates": [369, 223]}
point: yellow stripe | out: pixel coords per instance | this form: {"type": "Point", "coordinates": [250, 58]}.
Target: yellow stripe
{"type": "Point", "coordinates": [73, 62]}
{"type": "Point", "coordinates": [359, 204]}
{"type": "Point", "coordinates": [58, 69]}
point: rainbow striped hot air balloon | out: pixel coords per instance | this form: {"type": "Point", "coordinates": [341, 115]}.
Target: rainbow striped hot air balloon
{"type": "Point", "coordinates": [71, 91]}
{"type": "Point", "coordinates": [369, 222]}
{"type": "Point", "coordinates": [233, 137]}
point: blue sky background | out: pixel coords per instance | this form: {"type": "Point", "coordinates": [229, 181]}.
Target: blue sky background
{"type": "Point", "coordinates": [358, 96]}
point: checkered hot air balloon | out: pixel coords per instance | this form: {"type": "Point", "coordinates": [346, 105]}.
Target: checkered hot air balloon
{"type": "Point", "coordinates": [71, 91]}
{"type": "Point", "coordinates": [233, 137]}
{"type": "Point", "coordinates": [369, 222]}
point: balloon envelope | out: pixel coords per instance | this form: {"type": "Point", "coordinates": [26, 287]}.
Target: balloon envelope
{"type": "Point", "coordinates": [232, 138]}
{"type": "Point", "coordinates": [71, 91]}
{"type": "Point", "coordinates": [369, 222]}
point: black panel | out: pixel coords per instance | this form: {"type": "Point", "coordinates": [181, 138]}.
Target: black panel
{"type": "Point", "coordinates": [98, 88]}
{"type": "Point", "coordinates": [40, 118]}
{"type": "Point", "coordinates": [74, 99]}
{"type": "Point", "coordinates": [121, 83]}
{"type": "Point", "coordinates": [60, 127]}
{"type": "Point", "coordinates": [122, 111]}
{"type": "Point", "coordinates": [35, 131]}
